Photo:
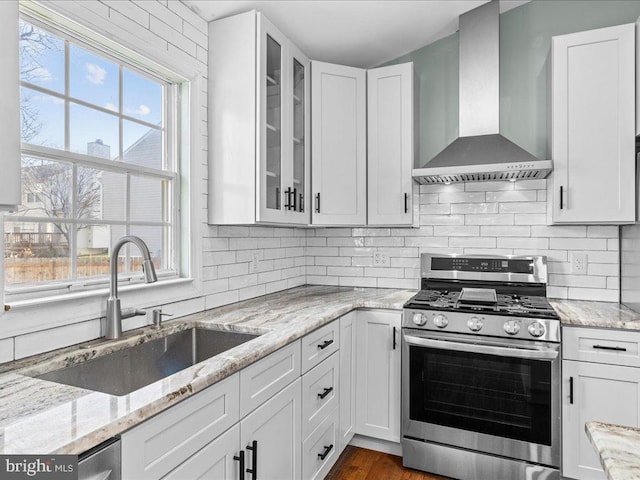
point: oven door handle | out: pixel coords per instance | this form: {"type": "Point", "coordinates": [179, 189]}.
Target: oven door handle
{"type": "Point", "coordinates": [534, 353]}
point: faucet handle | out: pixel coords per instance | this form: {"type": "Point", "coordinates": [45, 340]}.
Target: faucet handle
{"type": "Point", "coordinates": [157, 317]}
{"type": "Point", "coordinates": [132, 312]}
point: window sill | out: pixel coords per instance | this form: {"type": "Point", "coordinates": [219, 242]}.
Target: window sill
{"type": "Point", "coordinates": [123, 291]}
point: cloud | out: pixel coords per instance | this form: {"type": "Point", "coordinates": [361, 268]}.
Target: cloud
{"type": "Point", "coordinates": [95, 73]}
{"type": "Point", "coordinates": [111, 106]}
{"type": "Point", "coordinates": [142, 110]}
{"type": "Point", "coordinates": [49, 99]}
{"type": "Point", "coordinates": [41, 74]}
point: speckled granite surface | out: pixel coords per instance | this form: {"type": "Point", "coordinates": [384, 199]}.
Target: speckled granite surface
{"type": "Point", "coordinates": [581, 313]}
{"type": "Point", "coordinates": [39, 417]}
{"type": "Point", "coordinates": [618, 448]}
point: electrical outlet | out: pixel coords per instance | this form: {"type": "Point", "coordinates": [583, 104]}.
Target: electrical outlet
{"type": "Point", "coordinates": [579, 263]}
{"type": "Point", "coordinates": [255, 259]}
{"type": "Point", "coordinates": [380, 259]}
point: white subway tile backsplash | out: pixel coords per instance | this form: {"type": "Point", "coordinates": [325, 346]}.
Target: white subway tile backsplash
{"type": "Point", "coordinates": [487, 218]}
{"type": "Point", "coordinates": [45, 340]}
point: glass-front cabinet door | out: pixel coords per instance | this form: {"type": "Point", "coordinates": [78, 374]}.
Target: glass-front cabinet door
{"type": "Point", "coordinates": [283, 127]}
{"type": "Point", "coordinates": [299, 128]}
{"type": "Point", "coordinates": [271, 122]}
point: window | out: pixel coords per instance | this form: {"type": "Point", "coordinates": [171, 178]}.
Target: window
{"type": "Point", "coordinates": [98, 163]}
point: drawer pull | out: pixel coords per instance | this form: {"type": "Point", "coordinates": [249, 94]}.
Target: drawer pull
{"type": "Point", "coordinates": [254, 462]}
{"type": "Point", "coordinates": [240, 459]}
{"type": "Point", "coordinates": [605, 347]}
{"type": "Point", "coordinates": [325, 344]}
{"type": "Point", "coordinates": [326, 392]}
{"type": "Point", "coordinates": [327, 449]}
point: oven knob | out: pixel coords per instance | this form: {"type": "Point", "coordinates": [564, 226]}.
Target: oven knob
{"type": "Point", "coordinates": [512, 327]}
{"type": "Point", "coordinates": [419, 319]}
{"type": "Point", "coordinates": [474, 324]}
{"type": "Point", "coordinates": [440, 321]}
{"type": "Point", "coordinates": [536, 329]}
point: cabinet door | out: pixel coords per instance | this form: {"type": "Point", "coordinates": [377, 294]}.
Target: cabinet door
{"type": "Point", "coordinates": [10, 184]}
{"type": "Point", "coordinates": [378, 374]}
{"type": "Point", "coordinates": [390, 144]}
{"type": "Point", "coordinates": [275, 427]}
{"type": "Point", "coordinates": [215, 461]}
{"type": "Point", "coordinates": [297, 188]}
{"type": "Point", "coordinates": [272, 121]}
{"type": "Point", "coordinates": [338, 122]}
{"type": "Point", "coordinates": [604, 393]}
{"type": "Point", "coordinates": [593, 126]}
{"type": "Point", "coordinates": [347, 389]}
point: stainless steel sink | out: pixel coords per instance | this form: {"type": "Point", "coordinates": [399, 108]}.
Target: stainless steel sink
{"type": "Point", "coordinates": [129, 369]}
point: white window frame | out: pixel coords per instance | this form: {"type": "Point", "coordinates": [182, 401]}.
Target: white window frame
{"type": "Point", "coordinates": [179, 104]}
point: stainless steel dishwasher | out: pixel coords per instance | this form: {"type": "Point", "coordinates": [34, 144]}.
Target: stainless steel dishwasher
{"type": "Point", "coordinates": [101, 462]}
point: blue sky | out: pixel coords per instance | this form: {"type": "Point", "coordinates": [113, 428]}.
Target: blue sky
{"type": "Point", "coordinates": [92, 79]}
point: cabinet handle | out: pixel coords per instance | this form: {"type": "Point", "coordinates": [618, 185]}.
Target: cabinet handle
{"type": "Point", "coordinates": [288, 193]}
{"type": "Point", "coordinates": [254, 460]}
{"type": "Point", "coordinates": [240, 459]}
{"type": "Point", "coordinates": [606, 347]}
{"type": "Point", "coordinates": [327, 449]}
{"type": "Point", "coordinates": [301, 203]}
{"type": "Point", "coordinates": [406, 203]}
{"type": "Point", "coordinates": [326, 392]}
{"type": "Point", "coordinates": [295, 200]}
{"type": "Point", "coordinates": [395, 343]}
{"type": "Point", "coordinates": [277, 198]}
{"type": "Point", "coordinates": [561, 195]}
{"type": "Point", "coordinates": [318, 202]}
{"type": "Point", "coordinates": [571, 390]}
{"type": "Point", "coordinates": [325, 344]}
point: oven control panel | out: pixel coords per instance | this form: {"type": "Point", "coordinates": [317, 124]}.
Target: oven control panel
{"type": "Point", "coordinates": [483, 324]}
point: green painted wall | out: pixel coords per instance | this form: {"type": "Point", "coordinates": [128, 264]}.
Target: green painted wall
{"type": "Point", "coordinates": [525, 43]}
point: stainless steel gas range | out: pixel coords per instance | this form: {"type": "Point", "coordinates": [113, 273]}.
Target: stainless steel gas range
{"type": "Point", "coordinates": [481, 370]}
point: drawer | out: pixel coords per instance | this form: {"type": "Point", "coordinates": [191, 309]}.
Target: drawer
{"type": "Point", "coordinates": [157, 446]}
{"type": "Point", "coordinates": [320, 449]}
{"type": "Point", "coordinates": [319, 393]}
{"type": "Point", "coordinates": [616, 347]}
{"type": "Point", "coordinates": [262, 380]}
{"type": "Point", "coordinates": [320, 344]}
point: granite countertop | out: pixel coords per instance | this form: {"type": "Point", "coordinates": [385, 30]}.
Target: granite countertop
{"type": "Point", "coordinates": [618, 448]}
{"type": "Point", "coordinates": [41, 417]}
{"type": "Point", "coordinates": [582, 313]}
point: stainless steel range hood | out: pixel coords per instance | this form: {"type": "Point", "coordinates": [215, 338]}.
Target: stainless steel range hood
{"type": "Point", "coordinates": [481, 153]}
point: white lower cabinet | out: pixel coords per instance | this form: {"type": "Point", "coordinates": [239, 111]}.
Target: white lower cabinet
{"type": "Point", "coordinates": [320, 449]}
{"type": "Point", "coordinates": [218, 460]}
{"type": "Point", "coordinates": [275, 420]}
{"type": "Point", "coordinates": [273, 430]}
{"type": "Point", "coordinates": [600, 382]}
{"type": "Point", "coordinates": [154, 448]}
{"type": "Point", "coordinates": [347, 392]}
{"type": "Point", "coordinates": [378, 374]}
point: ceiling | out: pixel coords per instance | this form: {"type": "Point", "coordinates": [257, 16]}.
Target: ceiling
{"type": "Point", "coordinates": [360, 33]}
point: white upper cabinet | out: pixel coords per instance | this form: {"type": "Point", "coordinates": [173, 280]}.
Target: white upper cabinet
{"type": "Point", "coordinates": [10, 184]}
{"type": "Point", "coordinates": [258, 124]}
{"type": "Point", "coordinates": [593, 127]}
{"type": "Point", "coordinates": [390, 144]}
{"type": "Point", "coordinates": [339, 129]}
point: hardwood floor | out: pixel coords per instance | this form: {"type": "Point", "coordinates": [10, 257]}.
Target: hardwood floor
{"type": "Point", "coordinates": [362, 464]}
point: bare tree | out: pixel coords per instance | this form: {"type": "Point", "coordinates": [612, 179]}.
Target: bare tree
{"type": "Point", "coordinates": [50, 184]}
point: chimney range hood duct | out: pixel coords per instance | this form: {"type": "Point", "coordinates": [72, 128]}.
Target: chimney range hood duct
{"type": "Point", "coordinates": [481, 153]}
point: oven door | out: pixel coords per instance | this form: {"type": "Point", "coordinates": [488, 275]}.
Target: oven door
{"type": "Point", "coordinates": [499, 396]}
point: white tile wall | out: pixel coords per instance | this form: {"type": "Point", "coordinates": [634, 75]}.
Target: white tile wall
{"type": "Point", "coordinates": [473, 218]}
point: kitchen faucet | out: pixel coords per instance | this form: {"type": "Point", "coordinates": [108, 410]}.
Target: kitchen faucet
{"type": "Point", "coordinates": [113, 328]}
